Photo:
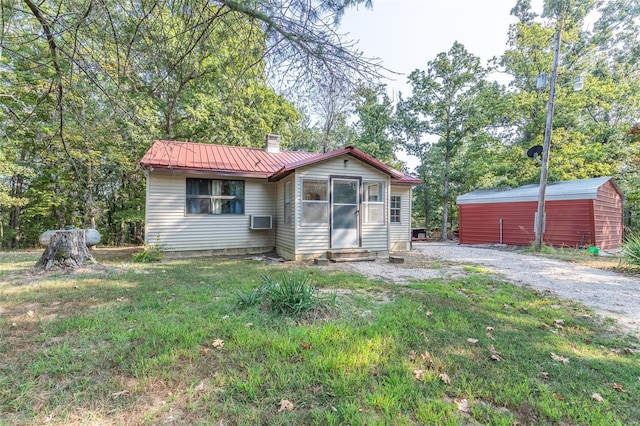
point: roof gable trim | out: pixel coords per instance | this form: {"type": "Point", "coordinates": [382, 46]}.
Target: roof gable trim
{"type": "Point", "coordinates": [349, 150]}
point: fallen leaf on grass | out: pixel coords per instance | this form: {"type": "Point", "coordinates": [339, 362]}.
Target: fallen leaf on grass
{"type": "Point", "coordinates": [117, 394]}
{"type": "Point", "coordinates": [495, 356]}
{"type": "Point", "coordinates": [558, 396]}
{"type": "Point", "coordinates": [204, 351]}
{"type": "Point", "coordinates": [429, 314]}
{"type": "Point", "coordinates": [558, 323]}
{"type": "Point", "coordinates": [426, 356]}
{"type": "Point", "coordinates": [285, 405]}
{"type": "Point", "coordinates": [559, 358]}
{"type": "Point", "coordinates": [597, 397]}
{"type": "Point", "coordinates": [618, 387]}
{"type": "Point", "coordinates": [218, 343]}
{"type": "Point", "coordinates": [445, 378]}
{"type": "Point", "coordinates": [463, 404]}
{"type": "Point", "coordinates": [306, 346]}
{"type": "Point", "coordinates": [471, 340]}
{"type": "Point", "coordinates": [418, 374]}
{"type": "Point", "coordinates": [544, 375]}
{"type": "Point", "coordinates": [413, 355]}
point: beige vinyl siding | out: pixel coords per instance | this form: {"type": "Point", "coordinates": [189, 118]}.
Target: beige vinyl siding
{"type": "Point", "coordinates": [399, 233]}
{"type": "Point", "coordinates": [312, 241]}
{"type": "Point", "coordinates": [167, 223]}
{"type": "Point", "coordinates": [285, 234]}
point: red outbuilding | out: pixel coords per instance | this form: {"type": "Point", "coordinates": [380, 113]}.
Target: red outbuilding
{"type": "Point", "coordinates": [585, 212]}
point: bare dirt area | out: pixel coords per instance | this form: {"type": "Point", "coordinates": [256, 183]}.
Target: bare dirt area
{"type": "Point", "coordinates": [608, 293]}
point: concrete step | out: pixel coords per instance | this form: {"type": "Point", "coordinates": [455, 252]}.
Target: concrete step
{"type": "Point", "coordinates": [347, 253]}
{"type": "Point", "coordinates": [353, 259]}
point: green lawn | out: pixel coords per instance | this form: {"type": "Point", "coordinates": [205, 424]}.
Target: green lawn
{"type": "Point", "coordinates": [166, 343]}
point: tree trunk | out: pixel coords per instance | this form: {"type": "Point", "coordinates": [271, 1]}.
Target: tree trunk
{"type": "Point", "coordinates": [445, 202]}
{"type": "Point", "coordinates": [15, 211]}
{"type": "Point", "coordinates": [67, 249]}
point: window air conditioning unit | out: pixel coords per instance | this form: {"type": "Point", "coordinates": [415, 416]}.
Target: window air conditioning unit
{"type": "Point", "coordinates": [260, 222]}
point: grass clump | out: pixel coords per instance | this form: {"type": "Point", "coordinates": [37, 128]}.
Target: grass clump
{"type": "Point", "coordinates": [631, 250]}
{"type": "Point", "coordinates": [151, 253]}
{"type": "Point", "coordinates": [290, 293]}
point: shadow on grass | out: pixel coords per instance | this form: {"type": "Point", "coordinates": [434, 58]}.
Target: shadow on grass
{"type": "Point", "coordinates": [159, 342]}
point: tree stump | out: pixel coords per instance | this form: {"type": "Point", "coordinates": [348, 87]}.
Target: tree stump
{"type": "Point", "coordinates": [66, 249]}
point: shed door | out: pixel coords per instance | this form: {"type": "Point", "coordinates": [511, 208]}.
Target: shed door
{"type": "Point", "coordinates": [345, 213]}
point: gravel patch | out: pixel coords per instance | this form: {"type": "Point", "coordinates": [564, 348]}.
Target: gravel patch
{"type": "Point", "coordinates": [608, 293]}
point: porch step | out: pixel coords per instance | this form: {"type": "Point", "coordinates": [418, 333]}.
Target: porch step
{"type": "Point", "coordinates": [347, 253]}
{"type": "Point", "coordinates": [353, 259]}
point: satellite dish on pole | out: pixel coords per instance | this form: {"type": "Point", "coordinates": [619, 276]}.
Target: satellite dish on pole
{"type": "Point", "coordinates": [542, 81]}
{"type": "Point", "coordinates": [535, 151]}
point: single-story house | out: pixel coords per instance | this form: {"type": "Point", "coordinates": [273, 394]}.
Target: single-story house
{"type": "Point", "coordinates": [208, 199]}
{"type": "Point", "coordinates": [579, 213]}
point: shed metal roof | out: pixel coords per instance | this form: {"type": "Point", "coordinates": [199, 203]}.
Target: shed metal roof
{"type": "Point", "coordinates": [580, 189]}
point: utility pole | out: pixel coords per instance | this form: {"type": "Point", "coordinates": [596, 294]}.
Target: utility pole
{"type": "Point", "coordinates": [546, 148]}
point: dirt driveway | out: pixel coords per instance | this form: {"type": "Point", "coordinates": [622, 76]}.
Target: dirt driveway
{"type": "Point", "coordinates": [608, 293]}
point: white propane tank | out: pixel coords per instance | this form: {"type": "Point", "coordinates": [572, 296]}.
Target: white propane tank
{"type": "Point", "coordinates": [91, 237]}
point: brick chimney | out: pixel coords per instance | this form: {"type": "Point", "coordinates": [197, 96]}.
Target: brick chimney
{"type": "Point", "coordinates": [273, 143]}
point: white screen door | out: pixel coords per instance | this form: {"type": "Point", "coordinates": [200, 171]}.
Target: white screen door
{"type": "Point", "coordinates": [345, 213]}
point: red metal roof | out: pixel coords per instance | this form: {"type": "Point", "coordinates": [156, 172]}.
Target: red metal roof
{"type": "Point", "coordinates": [349, 150]}
{"type": "Point", "coordinates": [250, 161]}
{"type": "Point", "coordinates": [218, 158]}
{"type": "Point", "coordinates": [406, 180]}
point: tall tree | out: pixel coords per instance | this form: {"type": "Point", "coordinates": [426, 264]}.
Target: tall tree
{"type": "Point", "coordinates": [374, 113]}
{"type": "Point", "coordinates": [85, 86]}
{"type": "Point", "coordinates": [590, 127]}
{"type": "Point", "coordinates": [328, 103]}
{"type": "Point", "coordinates": [443, 104]}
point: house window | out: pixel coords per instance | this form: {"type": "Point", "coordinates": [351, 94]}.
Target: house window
{"type": "Point", "coordinates": [287, 203]}
{"type": "Point", "coordinates": [315, 201]}
{"type": "Point", "coordinates": [373, 202]}
{"type": "Point", "coordinates": [396, 202]}
{"type": "Point", "coordinates": [215, 196]}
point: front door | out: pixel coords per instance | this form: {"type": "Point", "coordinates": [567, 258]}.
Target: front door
{"type": "Point", "coordinates": [345, 213]}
